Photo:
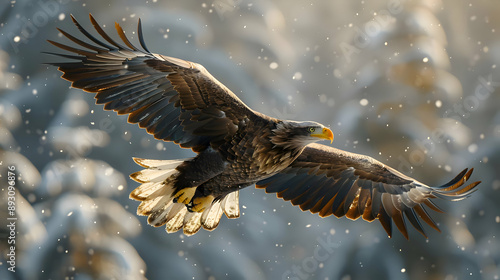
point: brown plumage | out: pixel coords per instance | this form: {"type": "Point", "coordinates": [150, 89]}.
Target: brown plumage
{"type": "Point", "coordinates": [177, 100]}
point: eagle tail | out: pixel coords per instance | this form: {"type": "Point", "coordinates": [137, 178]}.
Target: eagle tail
{"type": "Point", "coordinates": [157, 193]}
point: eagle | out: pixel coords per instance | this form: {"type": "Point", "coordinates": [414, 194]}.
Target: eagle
{"type": "Point", "coordinates": [180, 101]}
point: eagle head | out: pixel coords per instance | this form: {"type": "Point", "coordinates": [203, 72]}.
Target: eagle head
{"type": "Point", "coordinates": [293, 134]}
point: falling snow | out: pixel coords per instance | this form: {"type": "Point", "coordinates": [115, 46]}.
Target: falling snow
{"type": "Point", "coordinates": [296, 76]}
{"type": "Point", "coordinates": [273, 65]}
{"type": "Point", "coordinates": [407, 90]}
{"type": "Point", "coordinates": [472, 148]}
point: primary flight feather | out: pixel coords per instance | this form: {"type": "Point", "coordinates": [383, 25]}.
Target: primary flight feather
{"type": "Point", "coordinates": [179, 101]}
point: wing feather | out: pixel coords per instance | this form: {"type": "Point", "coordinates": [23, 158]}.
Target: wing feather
{"type": "Point", "coordinates": [173, 99]}
{"type": "Point", "coordinates": [329, 181]}
{"type": "Point", "coordinates": [412, 217]}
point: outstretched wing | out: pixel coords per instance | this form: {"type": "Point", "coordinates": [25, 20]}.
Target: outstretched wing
{"type": "Point", "coordinates": [173, 99]}
{"type": "Point", "coordinates": [329, 181]}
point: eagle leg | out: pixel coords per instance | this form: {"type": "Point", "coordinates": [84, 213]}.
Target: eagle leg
{"type": "Point", "coordinates": [184, 195]}
{"type": "Point", "coordinates": [199, 204]}
{"type": "Point", "coordinates": [193, 173]}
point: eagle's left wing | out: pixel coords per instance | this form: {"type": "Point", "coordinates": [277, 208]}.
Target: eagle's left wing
{"type": "Point", "coordinates": [330, 181]}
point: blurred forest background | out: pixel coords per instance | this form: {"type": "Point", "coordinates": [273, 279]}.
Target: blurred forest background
{"type": "Point", "coordinates": [414, 84]}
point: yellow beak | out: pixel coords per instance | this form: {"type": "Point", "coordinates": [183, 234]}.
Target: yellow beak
{"type": "Point", "coordinates": [327, 134]}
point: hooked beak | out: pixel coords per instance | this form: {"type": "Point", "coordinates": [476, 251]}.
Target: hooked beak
{"type": "Point", "coordinates": [327, 134]}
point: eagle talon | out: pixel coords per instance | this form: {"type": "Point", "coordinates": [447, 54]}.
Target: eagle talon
{"type": "Point", "coordinates": [199, 204]}
{"type": "Point", "coordinates": [185, 195]}
{"type": "Point", "coordinates": [189, 206]}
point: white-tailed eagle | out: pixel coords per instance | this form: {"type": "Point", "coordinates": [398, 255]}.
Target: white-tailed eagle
{"type": "Point", "coordinates": [179, 101]}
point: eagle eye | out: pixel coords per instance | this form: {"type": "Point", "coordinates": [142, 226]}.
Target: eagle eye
{"type": "Point", "coordinates": [311, 129]}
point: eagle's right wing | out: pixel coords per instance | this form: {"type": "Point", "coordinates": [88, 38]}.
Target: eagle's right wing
{"type": "Point", "coordinates": [173, 99]}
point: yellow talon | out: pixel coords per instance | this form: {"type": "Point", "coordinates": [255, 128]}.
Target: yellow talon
{"type": "Point", "coordinates": [185, 195]}
{"type": "Point", "coordinates": [199, 204]}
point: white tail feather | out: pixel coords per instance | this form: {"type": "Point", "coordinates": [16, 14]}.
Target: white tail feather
{"type": "Point", "coordinates": [149, 206]}
{"type": "Point", "coordinates": [152, 175]}
{"type": "Point", "coordinates": [192, 223]}
{"type": "Point", "coordinates": [146, 189]}
{"type": "Point", "coordinates": [159, 217]}
{"type": "Point", "coordinates": [231, 205]}
{"type": "Point", "coordinates": [157, 194]}
{"type": "Point", "coordinates": [175, 209]}
{"type": "Point", "coordinates": [177, 221]}
{"type": "Point", "coordinates": [211, 217]}
{"type": "Point", "coordinates": [158, 163]}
